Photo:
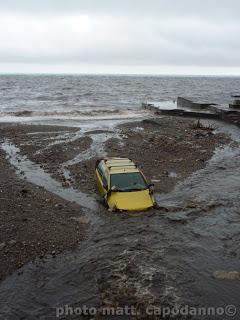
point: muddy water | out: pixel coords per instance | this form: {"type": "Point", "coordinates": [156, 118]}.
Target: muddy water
{"type": "Point", "coordinates": [163, 257]}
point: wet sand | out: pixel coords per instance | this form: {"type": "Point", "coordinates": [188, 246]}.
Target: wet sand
{"type": "Point", "coordinates": [36, 223]}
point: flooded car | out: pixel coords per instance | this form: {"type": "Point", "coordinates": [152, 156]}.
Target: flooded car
{"type": "Point", "coordinates": [123, 186]}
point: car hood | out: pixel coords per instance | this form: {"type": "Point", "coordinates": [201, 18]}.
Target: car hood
{"type": "Point", "coordinates": [131, 201]}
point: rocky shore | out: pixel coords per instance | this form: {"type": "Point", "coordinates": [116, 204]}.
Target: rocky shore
{"type": "Point", "coordinates": [35, 223]}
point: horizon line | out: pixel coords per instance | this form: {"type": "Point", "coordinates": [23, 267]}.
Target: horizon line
{"type": "Point", "coordinates": [119, 74]}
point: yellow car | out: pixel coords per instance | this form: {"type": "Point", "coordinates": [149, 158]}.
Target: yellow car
{"type": "Point", "coordinates": [123, 186]}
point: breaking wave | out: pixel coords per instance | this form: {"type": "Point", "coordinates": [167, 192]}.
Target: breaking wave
{"type": "Point", "coordinates": [87, 114]}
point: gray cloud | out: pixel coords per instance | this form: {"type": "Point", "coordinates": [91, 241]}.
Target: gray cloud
{"type": "Point", "coordinates": [124, 33]}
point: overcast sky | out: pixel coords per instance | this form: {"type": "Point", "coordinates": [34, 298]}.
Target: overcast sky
{"type": "Point", "coordinates": [120, 36]}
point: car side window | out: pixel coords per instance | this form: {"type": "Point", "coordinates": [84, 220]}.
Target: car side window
{"type": "Point", "coordinates": [100, 169]}
{"type": "Point", "coordinates": [103, 173]}
{"type": "Point", "coordinates": [105, 180]}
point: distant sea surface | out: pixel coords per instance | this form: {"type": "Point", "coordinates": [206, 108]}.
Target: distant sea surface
{"type": "Point", "coordinates": [77, 98]}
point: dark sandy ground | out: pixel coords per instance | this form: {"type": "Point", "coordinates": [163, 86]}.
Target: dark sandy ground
{"type": "Point", "coordinates": [168, 149]}
{"type": "Point", "coordinates": [34, 223]}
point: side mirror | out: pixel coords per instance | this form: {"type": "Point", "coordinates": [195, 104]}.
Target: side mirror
{"type": "Point", "coordinates": [151, 187]}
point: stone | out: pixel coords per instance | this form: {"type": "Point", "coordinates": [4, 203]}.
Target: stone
{"type": "Point", "coordinates": [2, 245]}
{"type": "Point", "coordinates": [82, 220]}
{"type": "Point", "coordinates": [12, 242]}
{"type": "Point", "coordinates": [227, 275]}
{"type": "Point", "coordinates": [66, 184]}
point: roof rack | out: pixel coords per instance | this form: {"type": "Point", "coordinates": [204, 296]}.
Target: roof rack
{"type": "Point", "coordinates": [123, 166]}
{"type": "Point", "coordinates": [113, 158]}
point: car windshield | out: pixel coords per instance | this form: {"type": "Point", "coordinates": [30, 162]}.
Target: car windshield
{"type": "Point", "coordinates": [128, 181]}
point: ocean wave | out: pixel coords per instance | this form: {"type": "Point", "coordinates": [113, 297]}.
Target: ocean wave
{"type": "Point", "coordinates": [90, 114]}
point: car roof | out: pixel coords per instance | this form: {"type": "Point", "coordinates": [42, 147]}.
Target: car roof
{"type": "Point", "coordinates": [120, 165]}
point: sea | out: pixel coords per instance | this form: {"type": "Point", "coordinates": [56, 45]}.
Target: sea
{"type": "Point", "coordinates": [77, 99]}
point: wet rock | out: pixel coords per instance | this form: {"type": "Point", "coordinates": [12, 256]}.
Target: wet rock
{"type": "Point", "coordinates": [165, 173]}
{"type": "Point", "coordinates": [57, 205]}
{"type": "Point", "coordinates": [213, 204]}
{"type": "Point", "coordinates": [66, 184]}
{"type": "Point", "coordinates": [82, 220]}
{"type": "Point", "coordinates": [24, 192]}
{"type": "Point", "coordinates": [192, 205]}
{"type": "Point", "coordinates": [2, 246]}
{"type": "Point", "coordinates": [12, 242]}
{"type": "Point", "coordinates": [227, 275]}
{"type": "Point", "coordinates": [178, 218]}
